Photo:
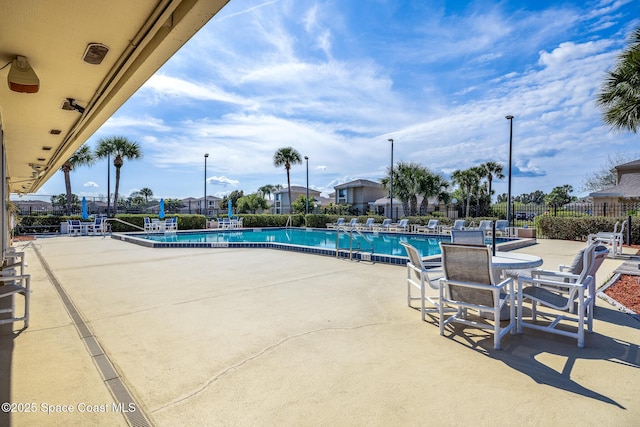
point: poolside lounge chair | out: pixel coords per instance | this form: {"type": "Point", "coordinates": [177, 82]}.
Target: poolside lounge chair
{"type": "Point", "coordinates": [431, 227]}
{"type": "Point", "coordinates": [614, 240]}
{"type": "Point", "coordinates": [468, 237]}
{"type": "Point", "coordinates": [486, 226]}
{"type": "Point", "coordinates": [353, 222]}
{"type": "Point", "coordinates": [171, 224]}
{"type": "Point", "coordinates": [468, 284]}
{"type": "Point", "coordinates": [336, 224]}
{"type": "Point", "coordinates": [419, 277]}
{"type": "Point", "coordinates": [384, 226]}
{"type": "Point", "coordinates": [458, 224]}
{"type": "Point", "coordinates": [570, 294]}
{"type": "Point", "coordinates": [368, 225]}
{"type": "Point", "coordinates": [402, 225]}
{"type": "Point", "coordinates": [502, 227]}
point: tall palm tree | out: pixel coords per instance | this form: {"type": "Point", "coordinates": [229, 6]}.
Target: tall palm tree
{"type": "Point", "coordinates": [287, 156]}
{"type": "Point", "coordinates": [432, 185]}
{"type": "Point", "coordinates": [82, 157]}
{"type": "Point", "coordinates": [121, 148]}
{"type": "Point", "coordinates": [620, 94]}
{"type": "Point", "coordinates": [492, 170]}
{"type": "Point", "coordinates": [146, 192]}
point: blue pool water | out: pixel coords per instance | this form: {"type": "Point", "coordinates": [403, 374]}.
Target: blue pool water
{"type": "Point", "coordinates": [383, 243]}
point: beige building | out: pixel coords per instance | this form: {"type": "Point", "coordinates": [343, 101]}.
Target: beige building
{"type": "Point", "coordinates": [617, 199]}
{"type": "Point", "coordinates": [281, 198]}
{"type": "Point", "coordinates": [359, 193]}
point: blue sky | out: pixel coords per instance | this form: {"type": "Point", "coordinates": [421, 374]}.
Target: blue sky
{"type": "Point", "coordinates": [335, 79]}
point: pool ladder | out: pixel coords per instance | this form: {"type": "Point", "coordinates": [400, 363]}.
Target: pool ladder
{"type": "Point", "coordinates": [350, 231]}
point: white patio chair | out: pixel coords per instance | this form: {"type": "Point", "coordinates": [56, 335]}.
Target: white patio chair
{"type": "Point", "coordinates": [368, 225]}
{"type": "Point", "coordinates": [431, 227]}
{"type": "Point", "coordinates": [73, 227]}
{"type": "Point", "coordinates": [468, 284]}
{"type": "Point", "coordinates": [571, 294]}
{"type": "Point", "coordinates": [10, 286]}
{"type": "Point", "coordinates": [502, 227]}
{"type": "Point", "coordinates": [419, 277]}
{"type": "Point", "coordinates": [614, 240]}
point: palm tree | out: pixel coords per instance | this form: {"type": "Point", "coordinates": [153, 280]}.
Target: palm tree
{"type": "Point", "coordinates": [432, 185]}
{"type": "Point", "coordinates": [466, 179]}
{"type": "Point", "coordinates": [146, 192]}
{"type": "Point", "coordinates": [82, 157]}
{"type": "Point", "coordinates": [287, 156]}
{"type": "Point", "coordinates": [620, 94]}
{"type": "Point", "coordinates": [491, 170]}
{"type": "Point", "coordinates": [267, 190]}
{"type": "Point", "coordinates": [121, 148]}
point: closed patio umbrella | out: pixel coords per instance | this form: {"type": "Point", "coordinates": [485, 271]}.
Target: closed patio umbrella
{"type": "Point", "coordinates": [85, 214]}
{"type": "Point", "coordinates": [161, 211]}
{"type": "Point", "coordinates": [230, 212]}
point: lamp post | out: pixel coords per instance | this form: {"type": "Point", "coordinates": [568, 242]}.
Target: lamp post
{"type": "Point", "coordinates": [391, 181]}
{"type": "Point", "coordinates": [307, 208]}
{"type": "Point", "coordinates": [510, 118]}
{"type": "Point", "coordinates": [109, 185]}
{"type": "Point", "coordinates": [205, 185]}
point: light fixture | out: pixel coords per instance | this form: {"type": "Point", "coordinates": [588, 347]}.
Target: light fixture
{"type": "Point", "coordinates": [95, 53]}
{"type": "Point", "coordinates": [21, 77]}
{"type": "Point", "coordinates": [69, 104]}
{"type": "Point", "coordinates": [55, 131]}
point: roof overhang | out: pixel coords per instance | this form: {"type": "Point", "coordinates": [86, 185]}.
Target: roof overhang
{"type": "Point", "coordinates": [38, 134]}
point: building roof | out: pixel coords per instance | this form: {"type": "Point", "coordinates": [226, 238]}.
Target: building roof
{"type": "Point", "coordinates": [298, 189]}
{"type": "Point", "coordinates": [359, 183]}
{"type": "Point", "coordinates": [629, 186]}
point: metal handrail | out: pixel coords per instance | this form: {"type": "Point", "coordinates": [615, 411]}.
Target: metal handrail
{"type": "Point", "coordinates": [350, 231]}
{"type": "Point", "coordinates": [289, 222]}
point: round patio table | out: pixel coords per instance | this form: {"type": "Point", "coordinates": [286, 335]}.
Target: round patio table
{"type": "Point", "coordinates": [514, 261]}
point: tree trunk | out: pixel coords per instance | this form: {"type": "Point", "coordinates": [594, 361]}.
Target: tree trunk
{"type": "Point", "coordinates": [67, 185]}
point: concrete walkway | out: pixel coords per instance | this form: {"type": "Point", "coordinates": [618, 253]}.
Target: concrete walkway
{"type": "Point", "coordinates": [125, 335]}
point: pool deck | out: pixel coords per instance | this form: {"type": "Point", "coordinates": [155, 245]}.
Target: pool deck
{"type": "Point", "coordinates": [265, 337]}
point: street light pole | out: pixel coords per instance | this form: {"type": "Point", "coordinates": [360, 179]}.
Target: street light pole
{"type": "Point", "coordinates": [510, 118]}
{"type": "Point", "coordinates": [391, 182]}
{"type": "Point", "coordinates": [205, 186]}
{"type": "Point", "coordinates": [307, 208]}
{"type": "Point", "coordinates": [109, 185]}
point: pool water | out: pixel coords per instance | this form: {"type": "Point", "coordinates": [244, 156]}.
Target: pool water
{"type": "Point", "coordinates": [382, 243]}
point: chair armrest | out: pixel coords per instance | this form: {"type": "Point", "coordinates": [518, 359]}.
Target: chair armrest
{"type": "Point", "coordinates": [558, 274]}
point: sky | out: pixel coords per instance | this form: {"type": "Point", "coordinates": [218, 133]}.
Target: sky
{"type": "Point", "coordinates": [335, 79]}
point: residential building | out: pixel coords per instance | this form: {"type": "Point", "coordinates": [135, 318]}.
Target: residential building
{"type": "Point", "coordinates": [611, 200]}
{"type": "Point", "coordinates": [194, 205]}
{"type": "Point", "coordinates": [281, 198]}
{"type": "Point", "coordinates": [361, 194]}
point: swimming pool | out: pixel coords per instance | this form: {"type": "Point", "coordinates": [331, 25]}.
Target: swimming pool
{"type": "Point", "coordinates": [367, 246]}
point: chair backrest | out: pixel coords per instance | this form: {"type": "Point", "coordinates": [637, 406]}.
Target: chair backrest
{"type": "Point", "coordinates": [588, 260]}
{"type": "Point", "coordinates": [414, 257]}
{"type": "Point", "coordinates": [468, 264]}
{"type": "Point", "coordinates": [433, 223]}
{"type": "Point", "coordinates": [370, 222]}
{"type": "Point", "coordinates": [403, 223]}
{"type": "Point", "coordinates": [486, 225]}
{"type": "Point", "coordinates": [458, 224]}
{"type": "Point", "coordinates": [468, 237]}
{"type": "Point", "coordinates": [147, 220]}
{"type": "Point", "coordinates": [353, 222]}
{"type": "Point", "coordinates": [502, 224]}
{"type": "Point", "coordinates": [340, 221]}
{"type": "Point", "coordinates": [386, 222]}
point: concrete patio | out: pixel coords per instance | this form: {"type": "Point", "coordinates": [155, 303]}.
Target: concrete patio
{"type": "Point", "coordinates": [126, 335]}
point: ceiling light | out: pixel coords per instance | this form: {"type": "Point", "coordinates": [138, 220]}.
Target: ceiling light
{"type": "Point", "coordinates": [21, 77]}
{"type": "Point", "coordinates": [55, 131]}
{"type": "Point", "coordinates": [95, 53]}
{"type": "Point", "coordinates": [46, 148]}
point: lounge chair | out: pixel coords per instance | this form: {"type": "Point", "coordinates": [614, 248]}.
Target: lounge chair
{"type": "Point", "coordinates": [431, 227]}
{"type": "Point", "coordinates": [368, 225]}
{"type": "Point", "coordinates": [402, 225]}
{"type": "Point", "coordinates": [171, 224]}
{"type": "Point", "coordinates": [485, 225]}
{"type": "Point", "coordinates": [98, 226]}
{"type": "Point", "coordinates": [468, 284]}
{"type": "Point", "coordinates": [458, 224]}
{"type": "Point", "coordinates": [338, 223]}
{"type": "Point", "coordinates": [468, 237]}
{"type": "Point", "coordinates": [353, 223]}
{"type": "Point", "coordinates": [419, 277]}
{"type": "Point", "coordinates": [614, 240]}
{"type": "Point", "coordinates": [502, 227]}
{"type": "Point", "coordinates": [571, 295]}
{"type": "Point", "coordinates": [384, 226]}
